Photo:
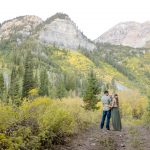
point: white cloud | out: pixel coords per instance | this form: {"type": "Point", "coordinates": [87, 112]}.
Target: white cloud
{"type": "Point", "coordinates": [93, 17]}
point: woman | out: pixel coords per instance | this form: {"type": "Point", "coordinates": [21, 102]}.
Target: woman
{"type": "Point", "coordinates": [116, 120]}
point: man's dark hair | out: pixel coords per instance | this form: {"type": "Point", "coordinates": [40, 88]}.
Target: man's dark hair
{"type": "Point", "coordinates": [106, 92]}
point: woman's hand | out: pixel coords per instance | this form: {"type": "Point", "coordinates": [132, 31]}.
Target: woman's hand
{"type": "Point", "coordinates": [110, 106]}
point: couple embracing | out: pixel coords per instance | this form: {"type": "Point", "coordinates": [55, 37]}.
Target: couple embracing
{"type": "Point", "coordinates": [111, 109]}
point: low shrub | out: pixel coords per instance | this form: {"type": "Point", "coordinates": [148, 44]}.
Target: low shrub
{"type": "Point", "coordinates": [41, 123]}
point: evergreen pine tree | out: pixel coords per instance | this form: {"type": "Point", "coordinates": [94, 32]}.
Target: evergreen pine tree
{"type": "Point", "coordinates": [14, 87]}
{"type": "Point", "coordinates": [12, 81]}
{"type": "Point", "coordinates": [28, 80]}
{"type": "Point", "coordinates": [43, 91]}
{"type": "Point", "coordinates": [16, 95]}
{"type": "Point", "coordinates": [2, 86]}
{"type": "Point", "coordinates": [36, 80]}
{"type": "Point", "coordinates": [92, 89]}
{"type": "Point", "coordinates": [20, 70]}
{"type": "Point", "coordinates": [60, 89]}
{"type": "Point", "coordinates": [69, 81]}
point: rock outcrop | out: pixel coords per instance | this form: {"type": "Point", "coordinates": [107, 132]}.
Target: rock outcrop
{"type": "Point", "coordinates": [20, 27]}
{"type": "Point", "coordinates": [128, 34]}
{"type": "Point", "coordinates": [63, 32]}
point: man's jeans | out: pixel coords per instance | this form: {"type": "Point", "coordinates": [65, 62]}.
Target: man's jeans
{"type": "Point", "coordinates": [108, 114]}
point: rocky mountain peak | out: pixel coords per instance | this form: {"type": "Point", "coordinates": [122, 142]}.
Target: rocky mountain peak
{"type": "Point", "coordinates": [20, 26]}
{"type": "Point", "coordinates": [58, 16]}
{"type": "Point", "coordinates": [63, 32]}
{"type": "Point", "coordinates": [132, 34]}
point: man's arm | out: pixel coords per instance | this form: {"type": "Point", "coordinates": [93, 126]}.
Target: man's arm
{"type": "Point", "coordinates": [110, 103]}
{"type": "Point", "coordinates": [109, 100]}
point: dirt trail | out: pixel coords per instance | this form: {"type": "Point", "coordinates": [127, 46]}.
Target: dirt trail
{"type": "Point", "coordinates": [130, 138]}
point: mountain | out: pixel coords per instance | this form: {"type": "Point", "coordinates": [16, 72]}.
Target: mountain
{"type": "Point", "coordinates": [60, 30]}
{"type": "Point", "coordinates": [131, 34]}
{"type": "Point", "coordinates": [20, 27]}
{"type": "Point", "coordinates": [59, 47]}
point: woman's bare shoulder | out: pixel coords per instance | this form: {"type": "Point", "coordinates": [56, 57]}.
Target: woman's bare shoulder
{"type": "Point", "coordinates": [113, 99]}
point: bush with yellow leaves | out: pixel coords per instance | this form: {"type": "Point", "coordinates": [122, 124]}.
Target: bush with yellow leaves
{"type": "Point", "coordinates": [41, 123]}
{"type": "Point", "coordinates": [132, 105]}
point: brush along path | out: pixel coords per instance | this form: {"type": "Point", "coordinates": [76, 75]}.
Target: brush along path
{"type": "Point", "coordinates": [96, 139]}
{"type": "Point", "coordinates": [130, 138]}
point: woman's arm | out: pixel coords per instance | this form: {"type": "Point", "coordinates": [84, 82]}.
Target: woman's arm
{"type": "Point", "coordinates": [113, 102]}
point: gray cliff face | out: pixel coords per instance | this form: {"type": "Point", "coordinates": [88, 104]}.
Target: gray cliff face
{"type": "Point", "coordinates": [128, 34]}
{"type": "Point", "coordinates": [58, 29]}
{"type": "Point", "coordinates": [20, 27]}
{"type": "Point", "coordinates": [62, 32]}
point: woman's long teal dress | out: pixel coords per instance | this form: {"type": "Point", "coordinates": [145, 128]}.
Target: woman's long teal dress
{"type": "Point", "coordinates": [116, 119]}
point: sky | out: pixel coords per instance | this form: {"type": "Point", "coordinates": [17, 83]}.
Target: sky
{"type": "Point", "coordinates": [93, 17]}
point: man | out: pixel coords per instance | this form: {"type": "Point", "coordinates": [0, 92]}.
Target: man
{"type": "Point", "coordinates": [106, 100]}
